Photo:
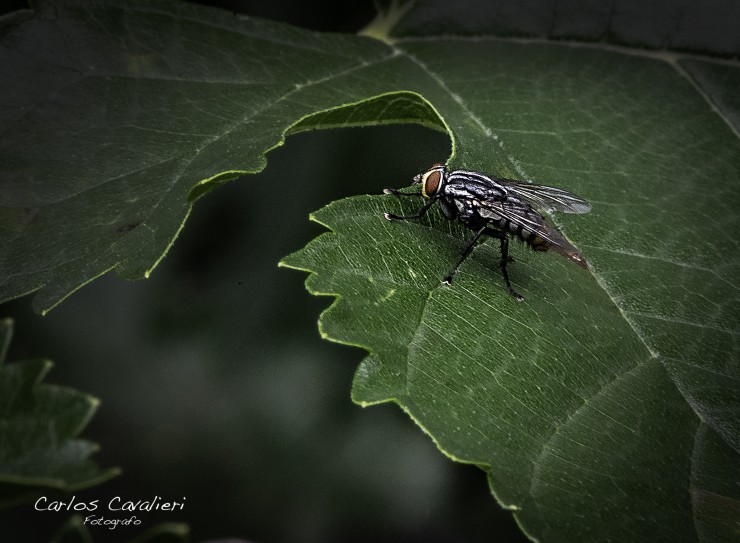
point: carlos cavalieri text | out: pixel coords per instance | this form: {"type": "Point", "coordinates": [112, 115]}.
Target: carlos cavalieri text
{"type": "Point", "coordinates": [115, 504]}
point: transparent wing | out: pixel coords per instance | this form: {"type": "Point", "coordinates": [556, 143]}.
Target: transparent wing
{"type": "Point", "coordinates": [547, 198]}
{"type": "Point", "coordinates": [522, 214]}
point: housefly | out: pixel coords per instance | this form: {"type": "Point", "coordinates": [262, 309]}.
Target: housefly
{"type": "Point", "coordinates": [498, 208]}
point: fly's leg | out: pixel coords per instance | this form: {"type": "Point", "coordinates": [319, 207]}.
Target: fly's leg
{"type": "Point", "coordinates": [448, 280]}
{"type": "Point", "coordinates": [418, 215]}
{"type": "Point", "coordinates": [505, 259]}
{"type": "Point", "coordinates": [396, 192]}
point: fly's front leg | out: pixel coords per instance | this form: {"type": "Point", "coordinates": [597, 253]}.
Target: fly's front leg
{"type": "Point", "coordinates": [419, 215]}
{"type": "Point", "coordinates": [448, 280]}
{"type": "Point", "coordinates": [505, 259]}
{"type": "Point", "coordinates": [396, 192]}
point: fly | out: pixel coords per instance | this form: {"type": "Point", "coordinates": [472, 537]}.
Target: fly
{"type": "Point", "coordinates": [497, 208]}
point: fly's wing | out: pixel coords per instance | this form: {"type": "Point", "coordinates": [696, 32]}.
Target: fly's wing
{"type": "Point", "coordinates": [520, 213]}
{"type": "Point", "coordinates": [546, 198]}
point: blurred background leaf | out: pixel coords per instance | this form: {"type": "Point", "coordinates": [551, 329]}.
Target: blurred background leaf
{"type": "Point", "coordinates": [124, 113]}
{"type": "Point", "coordinates": [40, 453]}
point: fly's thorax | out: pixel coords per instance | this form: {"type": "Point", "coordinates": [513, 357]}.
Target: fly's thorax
{"type": "Point", "coordinates": [431, 180]}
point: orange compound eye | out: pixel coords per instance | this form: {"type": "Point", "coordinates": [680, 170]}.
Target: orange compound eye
{"type": "Point", "coordinates": [431, 181]}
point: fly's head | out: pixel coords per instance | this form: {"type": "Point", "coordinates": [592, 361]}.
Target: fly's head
{"type": "Point", "coordinates": [431, 180]}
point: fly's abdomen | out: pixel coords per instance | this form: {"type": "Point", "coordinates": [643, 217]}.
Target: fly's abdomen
{"type": "Point", "coordinates": [538, 244]}
{"type": "Point", "coordinates": [516, 229]}
{"type": "Point", "coordinates": [496, 221]}
{"type": "Point", "coordinates": [528, 237]}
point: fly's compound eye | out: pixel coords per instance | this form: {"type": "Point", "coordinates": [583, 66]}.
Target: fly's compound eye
{"type": "Point", "coordinates": [431, 181]}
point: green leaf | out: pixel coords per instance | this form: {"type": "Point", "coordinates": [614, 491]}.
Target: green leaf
{"type": "Point", "coordinates": [600, 406]}
{"type": "Point", "coordinates": [709, 26]}
{"type": "Point", "coordinates": [39, 424]}
{"type": "Point", "coordinates": [558, 398]}
{"type": "Point", "coordinates": [120, 114]}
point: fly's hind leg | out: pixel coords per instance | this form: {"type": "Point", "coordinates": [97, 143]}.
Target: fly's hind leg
{"type": "Point", "coordinates": [505, 259]}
